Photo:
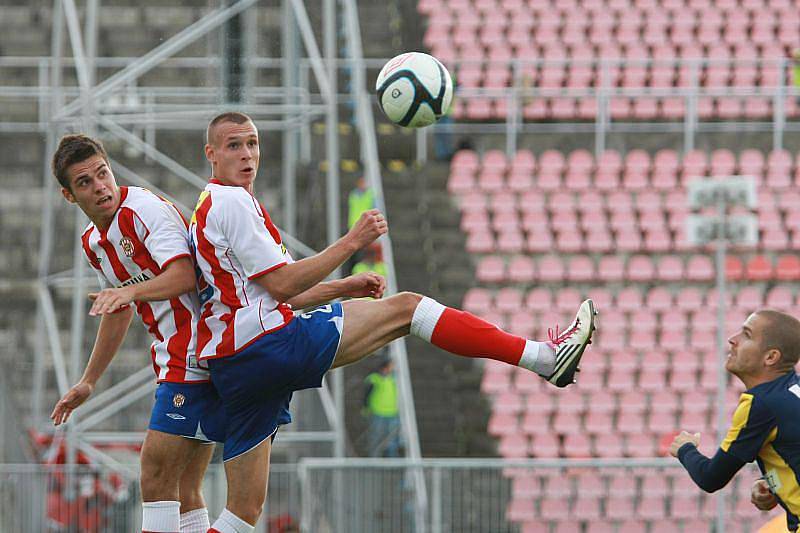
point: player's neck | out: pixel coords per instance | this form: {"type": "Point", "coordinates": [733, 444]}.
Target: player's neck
{"type": "Point", "coordinates": [754, 381]}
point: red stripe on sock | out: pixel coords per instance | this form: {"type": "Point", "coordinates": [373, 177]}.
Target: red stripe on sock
{"type": "Point", "coordinates": [212, 530]}
{"type": "Point", "coordinates": [465, 334]}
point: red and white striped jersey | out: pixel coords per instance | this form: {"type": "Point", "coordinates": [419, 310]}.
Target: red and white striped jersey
{"type": "Point", "coordinates": [146, 234]}
{"type": "Point", "coordinates": [234, 242]}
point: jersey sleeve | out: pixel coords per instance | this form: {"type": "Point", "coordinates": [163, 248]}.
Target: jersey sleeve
{"type": "Point", "coordinates": [240, 220]}
{"type": "Point", "coordinates": [166, 236]}
{"type": "Point", "coordinates": [752, 423]}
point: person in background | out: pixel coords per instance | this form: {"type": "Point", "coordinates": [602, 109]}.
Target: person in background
{"type": "Point", "coordinates": [380, 405]}
{"type": "Point", "coordinates": [359, 200]}
{"type": "Point", "coordinates": [372, 261]}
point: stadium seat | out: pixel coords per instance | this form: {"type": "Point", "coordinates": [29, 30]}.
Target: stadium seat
{"type": "Point", "coordinates": [577, 446]}
{"type": "Point", "coordinates": [759, 268]}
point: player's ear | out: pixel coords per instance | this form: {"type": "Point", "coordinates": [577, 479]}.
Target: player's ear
{"type": "Point", "coordinates": [67, 194]}
{"type": "Point", "coordinates": [209, 153]}
{"type": "Point", "coordinates": [772, 358]}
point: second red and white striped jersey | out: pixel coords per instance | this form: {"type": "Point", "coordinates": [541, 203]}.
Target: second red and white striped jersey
{"type": "Point", "coordinates": [234, 242]}
{"type": "Point", "coordinates": [146, 234]}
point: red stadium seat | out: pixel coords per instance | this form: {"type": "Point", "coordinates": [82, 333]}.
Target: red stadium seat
{"type": "Point", "coordinates": [759, 268]}
{"type": "Point", "coordinates": [787, 268]}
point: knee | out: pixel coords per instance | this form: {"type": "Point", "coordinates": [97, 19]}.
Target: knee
{"type": "Point", "coordinates": [407, 302]}
{"type": "Point", "coordinates": [157, 479]}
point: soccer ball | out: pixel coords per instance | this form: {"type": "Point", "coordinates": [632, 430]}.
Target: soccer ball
{"type": "Point", "coordinates": [414, 90]}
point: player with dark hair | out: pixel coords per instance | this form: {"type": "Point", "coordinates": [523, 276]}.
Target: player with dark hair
{"type": "Point", "coordinates": [765, 426]}
{"type": "Point", "coordinates": [259, 351]}
{"type": "Point", "coordinates": [138, 245]}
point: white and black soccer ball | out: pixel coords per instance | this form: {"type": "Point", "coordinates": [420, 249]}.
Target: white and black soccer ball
{"type": "Point", "coordinates": [414, 90]}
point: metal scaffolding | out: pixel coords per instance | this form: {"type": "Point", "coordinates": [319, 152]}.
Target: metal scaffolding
{"type": "Point", "coordinates": [289, 109]}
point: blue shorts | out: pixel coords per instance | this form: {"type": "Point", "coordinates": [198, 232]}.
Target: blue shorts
{"type": "Point", "coordinates": [191, 410]}
{"type": "Point", "coordinates": [256, 384]}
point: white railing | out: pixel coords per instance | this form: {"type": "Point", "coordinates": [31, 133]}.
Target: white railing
{"type": "Point", "coordinates": [481, 494]}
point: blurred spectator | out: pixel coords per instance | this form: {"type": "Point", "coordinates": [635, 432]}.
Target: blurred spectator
{"type": "Point", "coordinates": [360, 199]}
{"type": "Point", "coordinates": [372, 261]}
{"type": "Point", "coordinates": [796, 72]}
{"type": "Point", "coordinates": [380, 404]}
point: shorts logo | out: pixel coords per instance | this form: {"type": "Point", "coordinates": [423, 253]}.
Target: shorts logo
{"type": "Point", "coordinates": [176, 416]}
{"type": "Point", "coordinates": [127, 246]}
{"type": "Point", "coordinates": [178, 400]}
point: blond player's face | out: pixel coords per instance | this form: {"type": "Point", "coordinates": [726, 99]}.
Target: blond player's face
{"type": "Point", "coordinates": [234, 153]}
{"type": "Point", "coordinates": [93, 188]}
{"type": "Point", "coordinates": [746, 347]}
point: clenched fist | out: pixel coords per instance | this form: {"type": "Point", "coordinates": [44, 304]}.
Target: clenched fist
{"type": "Point", "coordinates": [761, 496]}
{"type": "Point", "coordinates": [371, 225]}
{"type": "Point", "coordinates": [363, 285]}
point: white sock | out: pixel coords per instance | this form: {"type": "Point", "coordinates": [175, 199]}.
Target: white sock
{"type": "Point", "coordinates": [161, 517]}
{"type": "Point", "coordinates": [426, 315]}
{"type": "Point", "coordinates": [230, 523]}
{"type": "Point", "coordinates": [195, 521]}
{"type": "Point", "coordinates": [539, 357]}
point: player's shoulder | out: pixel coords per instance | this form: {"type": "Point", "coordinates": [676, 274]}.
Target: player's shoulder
{"type": "Point", "coordinates": [88, 231]}
{"type": "Point", "coordinates": [227, 197]}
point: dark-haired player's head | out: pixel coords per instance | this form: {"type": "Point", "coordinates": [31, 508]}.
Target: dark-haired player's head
{"type": "Point", "coordinates": [768, 345]}
{"type": "Point", "coordinates": [80, 164]}
{"type": "Point", "coordinates": [232, 148]}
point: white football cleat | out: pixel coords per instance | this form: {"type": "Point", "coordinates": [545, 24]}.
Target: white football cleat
{"type": "Point", "coordinates": [570, 345]}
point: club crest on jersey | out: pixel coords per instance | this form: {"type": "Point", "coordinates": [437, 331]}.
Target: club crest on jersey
{"type": "Point", "coordinates": [127, 246]}
{"type": "Point", "coordinates": [178, 400]}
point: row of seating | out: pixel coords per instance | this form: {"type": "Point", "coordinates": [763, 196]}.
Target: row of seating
{"type": "Point", "coordinates": [738, 524]}
{"type": "Point", "coordinates": [674, 268]}
{"type": "Point", "coordinates": [694, 163]}
{"type": "Point", "coordinates": [623, 107]}
{"type": "Point", "coordinates": [648, 508]}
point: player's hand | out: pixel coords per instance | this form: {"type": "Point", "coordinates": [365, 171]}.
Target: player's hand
{"type": "Point", "coordinates": [110, 301]}
{"type": "Point", "coordinates": [683, 438]}
{"type": "Point", "coordinates": [71, 400]}
{"type": "Point", "coordinates": [363, 285]}
{"type": "Point", "coordinates": [371, 225]}
{"type": "Point", "coordinates": [761, 496]}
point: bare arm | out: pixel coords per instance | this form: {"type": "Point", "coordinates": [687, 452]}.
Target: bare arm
{"type": "Point", "coordinates": [177, 278]}
{"type": "Point", "coordinates": [294, 279]}
{"type": "Point", "coordinates": [110, 334]}
{"type": "Point", "coordinates": [360, 285]}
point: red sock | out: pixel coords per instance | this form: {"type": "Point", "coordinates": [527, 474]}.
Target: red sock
{"type": "Point", "coordinates": [212, 530]}
{"type": "Point", "coordinates": [464, 334]}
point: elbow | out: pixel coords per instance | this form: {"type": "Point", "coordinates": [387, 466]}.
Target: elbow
{"type": "Point", "coordinates": [710, 486]}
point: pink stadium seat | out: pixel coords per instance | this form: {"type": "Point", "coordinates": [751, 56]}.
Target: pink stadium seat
{"type": "Point", "coordinates": [480, 242]}
{"type": "Point", "coordinates": [659, 298]}
{"type": "Point", "coordinates": [502, 424]}
{"type": "Point", "coordinates": [632, 401]}
{"type": "Point", "coordinates": [673, 321]}
{"type": "Point", "coordinates": [566, 424]}
{"type": "Point", "coordinates": [511, 241]}
{"type": "Point", "coordinates": [651, 379]}
{"type": "Point", "coordinates": [521, 269]}
{"type": "Point", "coordinates": [494, 383]}
{"type": "Point", "coordinates": [655, 360]}
{"type": "Point", "coordinates": [700, 268]}
{"type": "Point", "coordinates": [607, 445]}
{"type": "Point", "coordinates": [602, 297]}
{"type": "Point", "coordinates": [629, 240]}
{"type": "Point", "coordinates": [490, 269]}
{"type": "Point", "coordinates": [521, 510]}
{"type": "Point", "coordinates": [734, 268]}
{"type": "Point", "coordinates": [577, 446]}
{"type": "Point", "coordinates": [477, 300]}
{"type": "Point", "coordinates": [651, 508]}
{"type": "Point", "coordinates": [640, 445]}
{"type": "Point", "coordinates": [620, 379]}
{"type": "Point", "coordinates": [551, 269]}
{"type": "Point", "coordinates": [524, 161]}
{"type": "Point", "coordinates": [689, 299]}
{"type": "Point", "coordinates": [554, 508]}
{"type": "Point", "coordinates": [598, 424]}
{"type": "Point", "coordinates": [629, 299]}
{"type": "Point", "coordinates": [640, 268]}
{"type": "Point", "coordinates": [528, 486]}
{"type": "Point", "coordinates": [663, 402]}
{"type": "Point", "coordinates": [544, 445]}
{"type": "Point", "coordinates": [602, 401]}
{"type": "Point", "coordinates": [611, 268]}
{"type": "Point", "coordinates": [586, 508]}
{"type": "Point", "coordinates": [780, 298]}
{"type": "Point", "coordinates": [670, 268]}
{"type": "Point", "coordinates": [513, 446]}
{"type": "Point", "coordinates": [507, 403]}
{"type": "Point", "coordinates": [508, 300]}
{"type": "Point", "coordinates": [566, 526]}
{"type": "Point", "coordinates": [539, 299]}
